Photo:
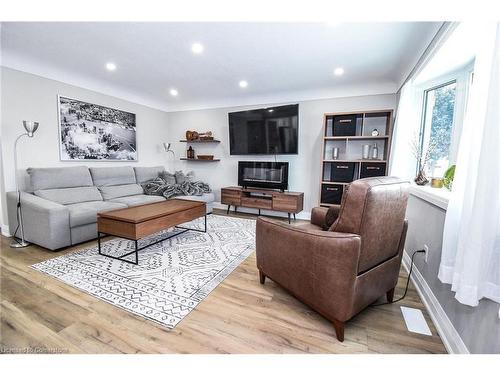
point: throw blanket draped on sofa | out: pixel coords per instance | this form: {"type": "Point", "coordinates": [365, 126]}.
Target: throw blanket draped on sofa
{"type": "Point", "coordinates": [159, 186]}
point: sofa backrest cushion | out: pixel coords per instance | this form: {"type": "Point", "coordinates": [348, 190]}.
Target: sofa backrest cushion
{"type": "Point", "coordinates": [143, 174]}
{"type": "Point", "coordinates": [70, 195]}
{"type": "Point", "coordinates": [110, 176]}
{"type": "Point", "coordinates": [118, 191]}
{"type": "Point", "coordinates": [56, 178]}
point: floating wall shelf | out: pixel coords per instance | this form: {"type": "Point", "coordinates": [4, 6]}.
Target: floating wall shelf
{"type": "Point", "coordinates": [204, 160]}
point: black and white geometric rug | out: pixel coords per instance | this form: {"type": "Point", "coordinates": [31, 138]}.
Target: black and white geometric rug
{"type": "Point", "coordinates": [172, 277]}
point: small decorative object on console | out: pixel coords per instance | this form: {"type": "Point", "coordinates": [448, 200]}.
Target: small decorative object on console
{"type": "Point", "coordinates": [375, 133]}
{"type": "Point", "coordinates": [190, 153]}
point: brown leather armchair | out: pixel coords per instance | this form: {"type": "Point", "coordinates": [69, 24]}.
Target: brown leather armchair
{"type": "Point", "coordinates": [340, 271]}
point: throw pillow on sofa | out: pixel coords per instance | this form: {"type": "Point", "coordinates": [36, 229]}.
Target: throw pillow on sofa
{"type": "Point", "coordinates": [180, 177]}
{"type": "Point", "coordinates": [168, 177]}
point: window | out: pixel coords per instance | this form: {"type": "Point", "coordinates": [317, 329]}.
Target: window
{"type": "Point", "coordinates": [437, 127]}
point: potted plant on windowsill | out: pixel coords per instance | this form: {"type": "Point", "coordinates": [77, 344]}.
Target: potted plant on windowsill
{"type": "Point", "coordinates": [422, 155]}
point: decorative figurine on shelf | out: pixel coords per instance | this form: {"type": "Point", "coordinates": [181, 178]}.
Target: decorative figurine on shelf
{"type": "Point", "coordinates": [207, 136]}
{"type": "Point", "coordinates": [422, 155]}
{"type": "Point", "coordinates": [190, 153]}
{"type": "Point", "coordinates": [192, 135]}
{"type": "Point", "coordinates": [375, 133]}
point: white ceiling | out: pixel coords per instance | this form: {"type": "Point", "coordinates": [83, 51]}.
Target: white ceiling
{"type": "Point", "coordinates": [281, 61]}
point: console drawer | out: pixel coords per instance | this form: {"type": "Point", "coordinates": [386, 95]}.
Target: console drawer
{"type": "Point", "coordinates": [285, 204]}
{"type": "Point", "coordinates": [230, 197]}
{"type": "Point", "coordinates": [256, 203]}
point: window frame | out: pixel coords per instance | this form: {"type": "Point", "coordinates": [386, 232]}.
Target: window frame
{"type": "Point", "coordinates": [462, 78]}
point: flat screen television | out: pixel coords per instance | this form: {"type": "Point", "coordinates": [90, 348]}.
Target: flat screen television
{"type": "Point", "coordinates": [265, 131]}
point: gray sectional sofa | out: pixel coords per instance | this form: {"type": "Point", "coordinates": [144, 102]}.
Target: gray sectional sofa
{"type": "Point", "coordinates": [61, 206]}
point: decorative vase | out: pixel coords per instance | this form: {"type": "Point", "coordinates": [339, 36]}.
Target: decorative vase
{"type": "Point", "coordinates": [421, 179]}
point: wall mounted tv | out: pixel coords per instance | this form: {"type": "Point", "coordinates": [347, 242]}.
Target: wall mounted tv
{"type": "Point", "coordinates": [265, 131]}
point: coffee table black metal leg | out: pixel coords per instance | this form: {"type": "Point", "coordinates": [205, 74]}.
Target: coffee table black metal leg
{"type": "Point", "coordinates": [136, 253]}
{"type": "Point", "coordinates": [294, 217]}
{"type": "Point", "coordinates": [99, 242]}
{"type": "Point", "coordinates": [205, 231]}
{"type": "Point", "coordinates": [289, 222]}
{"type": "Point", "coordinates": [228, 208]}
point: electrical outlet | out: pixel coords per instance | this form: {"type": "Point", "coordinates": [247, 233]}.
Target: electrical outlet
{"type": "Point", "coordinates": [426, 248]}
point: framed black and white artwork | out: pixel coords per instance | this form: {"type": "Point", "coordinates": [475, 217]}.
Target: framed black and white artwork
{"type": "Point", "coordinates": [93, 132]}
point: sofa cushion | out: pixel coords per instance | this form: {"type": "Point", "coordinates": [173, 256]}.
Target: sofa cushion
{"type": "Point", "coordinates": [143, 174]}
{"type": "Point", "coordinates": [117, 191]}
{"type": "Point", "coordinates": [55, 178]}
{"type": "Point", "coordinates": [86, 213]}
{"type": "Point", "coordinates": [137, 200]}
{"type": "Point", "coordinates": [110, 176]}
{"type": "Point", "coordinates": [70, 195]}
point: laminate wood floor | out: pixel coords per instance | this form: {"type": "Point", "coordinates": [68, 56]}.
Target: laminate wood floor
{"type": "Point", "coordinates": [239, 316]}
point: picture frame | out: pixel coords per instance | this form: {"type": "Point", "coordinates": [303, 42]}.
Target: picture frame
{"type": "Point", "coordinates": [93, 132]}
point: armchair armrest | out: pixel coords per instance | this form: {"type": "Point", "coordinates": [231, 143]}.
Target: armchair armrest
{"type": "Point", "coordinates": [318, 216]}
{"type": "Point", "coordinates": [46, 223]}
{"type": "Point", "coordinates": [319, 267]}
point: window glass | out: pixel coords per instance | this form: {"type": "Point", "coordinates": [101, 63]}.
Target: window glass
{"type": "Point", "coordinates": [439, 109]}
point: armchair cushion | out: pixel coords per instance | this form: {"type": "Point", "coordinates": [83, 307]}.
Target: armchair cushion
{"type": "Point", "coordinates": [319, 267]}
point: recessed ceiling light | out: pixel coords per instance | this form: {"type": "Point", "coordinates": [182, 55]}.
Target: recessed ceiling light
{"type": "Point", "coordinates": [270, 110]}
{"type": "Point", "coordinates": [174, 92]}
{"type": "Point", "coordinates": [111, 66]}
{"type": "Point", "coordinates": [197, 48]}
{"type": "Point", "coordinates": [338, 71]}
{"type": "Point", "coordinates": [243, 84]}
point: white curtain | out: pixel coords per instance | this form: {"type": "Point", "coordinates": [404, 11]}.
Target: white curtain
{"type": "Point", "coordinates": [470, 259]}
{"type": "Point", "coordinates": [407, 124]}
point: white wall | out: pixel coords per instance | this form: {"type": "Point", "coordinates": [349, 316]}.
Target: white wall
{"type": "Point", "coordinates": [304, 167]}
{"type": "Point", "coordinates": [28, 97]}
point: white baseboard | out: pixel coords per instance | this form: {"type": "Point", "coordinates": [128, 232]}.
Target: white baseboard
{"type": "Point", "coordinates": [451, 339]}
{"type": "Point", "coordinates": [301, 215]}
{"type": "Point", "coordinates": [5, 230]}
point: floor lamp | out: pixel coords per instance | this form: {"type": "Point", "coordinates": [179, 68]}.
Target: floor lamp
{"type": "Point", "coordinates": [30, 127]}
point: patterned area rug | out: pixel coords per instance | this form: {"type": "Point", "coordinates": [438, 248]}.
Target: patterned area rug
{"type": "Point", "coordinates": [172, 277]}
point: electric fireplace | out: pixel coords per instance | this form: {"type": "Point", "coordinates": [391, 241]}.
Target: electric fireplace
{"type": "Point", "coordinates": [263, 174]}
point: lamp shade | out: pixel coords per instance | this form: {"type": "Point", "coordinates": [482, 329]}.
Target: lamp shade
{"type": "Point", "coordinates": [31, 127]}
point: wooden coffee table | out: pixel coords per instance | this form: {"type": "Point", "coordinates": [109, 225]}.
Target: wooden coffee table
{"type": "Point", "coordinates": [135, 223]}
